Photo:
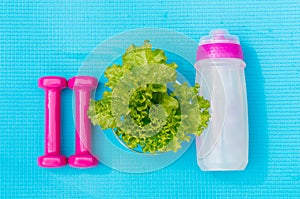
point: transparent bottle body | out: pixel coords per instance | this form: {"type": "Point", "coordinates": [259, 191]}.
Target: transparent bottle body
{"type": "Point", "coordinates": [224, 144]}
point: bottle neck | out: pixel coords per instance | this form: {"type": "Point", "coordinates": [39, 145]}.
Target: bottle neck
{"type": "Point", "coordinates": [220, 63]}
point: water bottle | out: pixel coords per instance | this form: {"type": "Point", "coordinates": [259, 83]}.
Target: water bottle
{"type": "Point", "coordinates": [220, 73]}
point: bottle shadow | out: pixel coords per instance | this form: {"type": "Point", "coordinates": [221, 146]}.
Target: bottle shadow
{"type": "Point", "coordinates": [257, 168]}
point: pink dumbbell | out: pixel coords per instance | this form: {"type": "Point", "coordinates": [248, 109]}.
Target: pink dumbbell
{"type": "Point", "coordinates": [52, 86]}
{"type": "Point", "coordinates": [82, 86]}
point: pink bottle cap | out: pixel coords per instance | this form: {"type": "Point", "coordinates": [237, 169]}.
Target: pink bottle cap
{"type": "Point", "coordinates": [219, 44]}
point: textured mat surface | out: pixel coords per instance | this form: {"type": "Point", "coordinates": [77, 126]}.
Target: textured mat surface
{"type": "Point", "coordinates": [40, 38]}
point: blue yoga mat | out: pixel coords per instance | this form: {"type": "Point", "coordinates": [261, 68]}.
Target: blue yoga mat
{"type": "Point", "coordinates": [39, 38]}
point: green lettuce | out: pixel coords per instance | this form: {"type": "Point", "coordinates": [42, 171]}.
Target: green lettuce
{"type": "Point", "coordinates": [142, 110]}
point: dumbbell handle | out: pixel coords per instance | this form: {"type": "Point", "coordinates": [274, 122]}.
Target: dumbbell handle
{"type": "Point", "coordinates": [83, 124]}
{"type": "Point", "coordinates": [52, 122]}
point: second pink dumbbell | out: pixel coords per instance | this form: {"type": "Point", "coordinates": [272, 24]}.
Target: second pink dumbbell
{"type": "Point", "coordinates": [82, 86]}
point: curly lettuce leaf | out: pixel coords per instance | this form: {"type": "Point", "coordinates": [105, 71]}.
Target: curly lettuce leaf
{"type": "Point", "coordinates": [144, 55]}
{"type": "Point", "coordinates": [114, 73]}
{"type": "Point", "coordinates": [136, 56]}
{"type": "Point", "coordinates": [100, 112]}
